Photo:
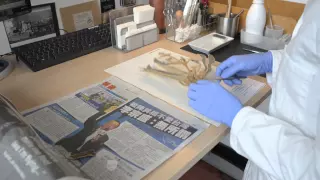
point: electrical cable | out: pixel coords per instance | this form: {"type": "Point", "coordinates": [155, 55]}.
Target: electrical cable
{"type": "Point", "coordinates": [64, 30]}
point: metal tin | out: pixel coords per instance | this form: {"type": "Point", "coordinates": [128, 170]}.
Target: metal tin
{"type": "Point", "coordinates": [228, 26]}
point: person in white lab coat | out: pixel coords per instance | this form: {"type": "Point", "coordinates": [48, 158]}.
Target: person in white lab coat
{"type": "Point", "coordinates": [283, 144]}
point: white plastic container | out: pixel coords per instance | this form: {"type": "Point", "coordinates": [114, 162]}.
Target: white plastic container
{"type": "Point", "coordinates": [256, 18]}
{"type": "Point", "coordinates": [121, 30]}
{"type": "Point", "coordinates": [143, 14]}
{"type": "Point", "coordinates": [210, 43]}
{"type": "Point", "coordinates": [261, 42]}
{"type": "Point", "coordinates": [276, 32]}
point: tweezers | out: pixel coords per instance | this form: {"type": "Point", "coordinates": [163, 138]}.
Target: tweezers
{"type": "Point", "coordinates": [229, 78]}
{"type": "Point", "coordinates": [75, 156]}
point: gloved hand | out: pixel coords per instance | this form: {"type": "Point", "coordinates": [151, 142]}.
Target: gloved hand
{"type": "Point", "coordinates": [213, 101]}
{"type": "Point", "coordinates": [245, 65]}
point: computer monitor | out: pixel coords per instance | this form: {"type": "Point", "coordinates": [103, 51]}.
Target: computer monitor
{"type": "Point", "coordinates": [13, 8]}
{"type": "Point", "coordinates": [40, 24]}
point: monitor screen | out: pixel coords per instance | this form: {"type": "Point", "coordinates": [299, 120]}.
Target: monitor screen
{"type": "Point", "coordinates": [41, 23]}
{"type": "Point", "coordinates": [12, 8]}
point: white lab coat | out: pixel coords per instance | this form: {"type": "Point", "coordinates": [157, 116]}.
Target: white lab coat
{"type": "Point", "coordinates": [285, 144]}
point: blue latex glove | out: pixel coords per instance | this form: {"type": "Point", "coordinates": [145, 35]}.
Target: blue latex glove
{"type": "Point", "coordinates": [245, 65]}
{"type": "Point", "coordinates": [213, 101]}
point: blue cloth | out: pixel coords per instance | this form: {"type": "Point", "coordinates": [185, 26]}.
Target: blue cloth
{"type": "Point", "coordinates": [213, 101]}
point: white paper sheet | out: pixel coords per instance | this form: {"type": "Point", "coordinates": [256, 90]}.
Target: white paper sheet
{"type": "Point", "coordinates": [83, 20]}
{"type": "Point", "coordinates": [170, 90]}
{"type": "Point", "coordinates": [246, 91]}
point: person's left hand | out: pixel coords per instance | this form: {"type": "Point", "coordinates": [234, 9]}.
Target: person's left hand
{"type": "Point", "coordinates": [213, 101]}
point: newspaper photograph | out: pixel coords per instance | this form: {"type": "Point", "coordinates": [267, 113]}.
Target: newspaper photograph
{"type": "Point", "coordinates": [113, 130]}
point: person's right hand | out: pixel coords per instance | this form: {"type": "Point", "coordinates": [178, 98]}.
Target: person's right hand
{"type": "Point", "coordinates": [245, 65]}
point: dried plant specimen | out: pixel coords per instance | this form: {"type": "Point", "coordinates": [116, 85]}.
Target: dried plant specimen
{"type": "Point", "coordinates": [185, 71]}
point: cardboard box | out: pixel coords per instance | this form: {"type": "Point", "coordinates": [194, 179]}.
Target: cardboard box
{"type": "Point", "coordinates": [80, 16]}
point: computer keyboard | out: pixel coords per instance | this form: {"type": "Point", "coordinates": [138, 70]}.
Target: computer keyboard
{"type": "Point", "coordinates": [50, 52]}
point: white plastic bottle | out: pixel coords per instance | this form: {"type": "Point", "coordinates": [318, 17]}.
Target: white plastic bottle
{"type": "Point", "coordinates": [256, 18]}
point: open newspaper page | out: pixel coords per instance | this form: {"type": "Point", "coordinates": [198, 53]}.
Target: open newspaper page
{"type": "Point", "coordinates": [113, 130]}
{"type": "Point", "coordinates": [23, 155]}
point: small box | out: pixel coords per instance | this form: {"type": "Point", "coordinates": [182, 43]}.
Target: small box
{"type": "Point", "coordinates": [151, 34]}
{"type": "Point", "coordinates": [143, 14]}
{"type": "Point", "coordinates": [134, 42]}
{"type": "Point", "coordinates": [138, 38]}
{"type": "Point", "coordinates": [121, 31]}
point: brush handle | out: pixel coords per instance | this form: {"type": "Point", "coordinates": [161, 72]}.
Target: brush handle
{"type": "Point", "coordinates": [270, 18]}
{"type": "Point", "coordinates": [229, 9]}
{"type": "Point", "coordinates": [239, 13]}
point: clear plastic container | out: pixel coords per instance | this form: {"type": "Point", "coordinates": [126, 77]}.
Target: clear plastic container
{"type": "Point", "coordinates": [261, 42]}
{"type": "Point", "coordinates": [181, 28]}
{"type": "Point", "coordinates": [276, 32]}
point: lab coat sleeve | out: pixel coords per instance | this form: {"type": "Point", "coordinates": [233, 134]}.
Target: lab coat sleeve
{"type": "Point", "coordinates": [275, 146]}
{"type": "Point", "coordinates": [277, 56]}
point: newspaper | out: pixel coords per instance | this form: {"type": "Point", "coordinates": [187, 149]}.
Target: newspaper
{"type": "Point", "coordinates": [113, 130]}
{"type": "Point", "coordinates": [23, 155]}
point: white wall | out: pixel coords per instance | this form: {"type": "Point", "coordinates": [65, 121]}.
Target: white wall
{"type": "Point", "coordinates": [4, 44]}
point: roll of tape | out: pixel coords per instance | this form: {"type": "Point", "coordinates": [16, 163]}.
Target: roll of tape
{"type": "Point", "coordinates": [6, 68]}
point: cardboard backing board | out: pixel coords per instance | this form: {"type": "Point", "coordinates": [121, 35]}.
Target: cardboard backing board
{"type": "Point", "coordinates": [80, 16]}
{"type": "Point", "coordinates": [171, 90]}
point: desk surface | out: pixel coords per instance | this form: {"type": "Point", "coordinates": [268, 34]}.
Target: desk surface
{"type": "Point", "coordinates": [27, 89]}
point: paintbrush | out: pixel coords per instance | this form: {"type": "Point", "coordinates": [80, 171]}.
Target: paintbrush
{"type": "Point", "coordinates": [228, 14]}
